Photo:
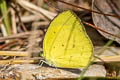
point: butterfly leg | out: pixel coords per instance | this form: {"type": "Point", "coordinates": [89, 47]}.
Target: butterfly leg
{"type": "Point", "coordinates": [41, 62]}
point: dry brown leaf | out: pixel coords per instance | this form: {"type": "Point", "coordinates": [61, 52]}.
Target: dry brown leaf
{"type": "Point", "coordinates": [107, 23]}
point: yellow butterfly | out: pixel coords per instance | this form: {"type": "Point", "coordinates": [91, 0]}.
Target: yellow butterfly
{"type": "Point", "coordinates": [66, 44]}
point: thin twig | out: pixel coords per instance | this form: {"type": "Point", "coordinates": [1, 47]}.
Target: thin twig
{"type": "Point", "coordinates": [20, 35]}
{"type": "Point", "coordinates": [76, 6]}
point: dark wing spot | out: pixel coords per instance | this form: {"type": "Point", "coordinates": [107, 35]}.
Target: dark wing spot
{"type": "Point", "coordinates": [54, 32]}
{"type": "Point", "coordinates": [81, 54]}
{"type": "Point", "coordinates": [62, 45]}
{"type": "Point", "coordinates": [70, 58]}
{"type": "Point", "coordinates": [83, 48]}
{"type": "Point", "coordinates": [54, 47]}
{"type": "Point", "coordinates": [60, 58]}
{"type": "Point", "coordinates": [73, 46]}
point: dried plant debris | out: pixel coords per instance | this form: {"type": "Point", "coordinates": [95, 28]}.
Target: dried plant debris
{"type": "Point", "coordinates": [96, 70]}
{"type": "Point", "coordinates": [108, 23]}
{"type": "Point", "coordinates": [31, 71]}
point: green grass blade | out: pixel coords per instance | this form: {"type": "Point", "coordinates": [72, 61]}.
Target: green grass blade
{"type": "Point", "coordinates": [4, 11]}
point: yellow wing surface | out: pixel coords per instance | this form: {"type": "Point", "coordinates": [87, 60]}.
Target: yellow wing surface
{"type": "Point", "coordinates": [66, 43]}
